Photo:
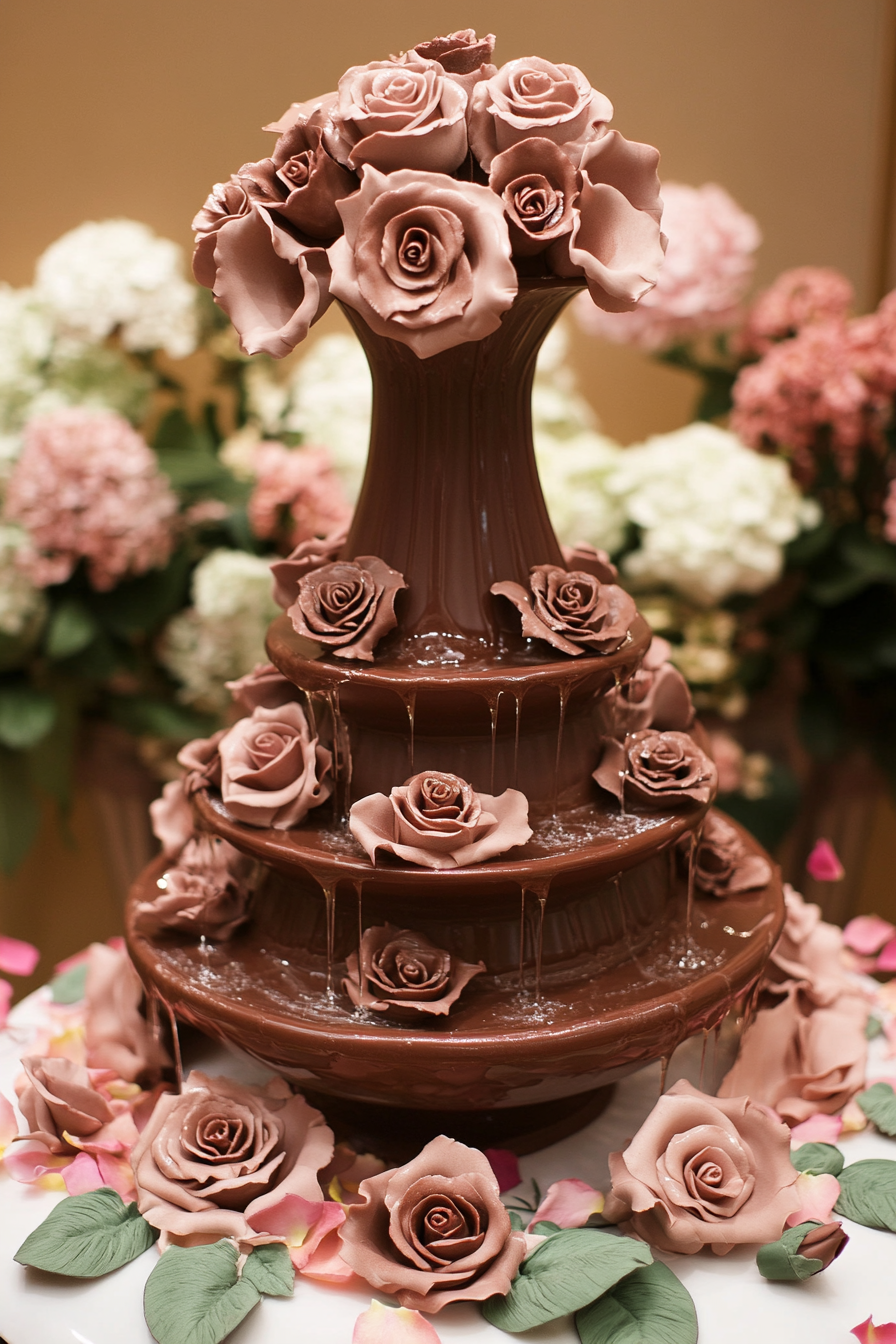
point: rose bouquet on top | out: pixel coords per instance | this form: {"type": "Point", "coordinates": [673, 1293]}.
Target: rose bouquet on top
{"type": "Point", "coordinates": [419, 190]}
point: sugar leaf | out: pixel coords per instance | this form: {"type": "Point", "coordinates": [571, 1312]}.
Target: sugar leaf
{"type": "Point", "coordinates": [781, 1261]}
{"type": "Point", "coordinates": [868, 1193]}
{"type": "Point", "coordinates": [818, 1159]}
{"type": "Point", "coordinates": [647, 1306]}
{"type": "Point", "coordinates": [271, 1270]}
{"type": "Point", "coordinates": [194, 1296]}
{"type": "Point", "coordinates": [879, 1104]}
{"type": "Point", "coordinates": [88, 1235]}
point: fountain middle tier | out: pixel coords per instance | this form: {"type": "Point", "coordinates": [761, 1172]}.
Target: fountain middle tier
{"type": "Point", "coordinates": [505, 721]}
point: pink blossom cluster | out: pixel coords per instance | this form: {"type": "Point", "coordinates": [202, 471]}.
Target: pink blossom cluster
{"type": "Point", "coordinates": [797, 299]}
{"type": "Point", "coordinates": [834, 375]}
{"type": "Point", "coordinates": [87, 487]}
{"type": "Point", "coordinates": [708, 267]}
{"type": "Point", "coordinates": [302, 483]}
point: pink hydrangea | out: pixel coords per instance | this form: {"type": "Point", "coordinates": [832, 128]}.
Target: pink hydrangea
{"type": "Point", "coordinates": [872, 345]}
{"type": "Point", "coordinates": [87, 486]}
{"type": "Point", "coordinates": [798, 298]}
{"type": "Point", "coordinates": [708, 268]}
{"type": "Point", "coordinates": [890, 514]}
{"type": "Point", "coordinates": [300, 482]}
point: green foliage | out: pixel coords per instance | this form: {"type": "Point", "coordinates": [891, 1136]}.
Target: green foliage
{"type": "Point", "coordinates": [648, 1306]}
{"type": "Point", "coordinates": [187, 456]}
{"type": "Point", "coordinates": [781, 1261]}
{"type": "Point", "coordinates": [147, 716]}
{"type": "Point", "coordinates": [19, 812]}
{"type": "Point", "coordinates": [87, 1235]}
{"type": "Point", "coordinates": [194, 1295]}
{"type": "Point", "coordinates": [879, 1104]}
{"type": "Point", "coordinates": [69, 630]}
{"type": "Point", "coordinates": [71, 985]}
{"type": "Point", "coordinates": [868, 1193]}
{"type": "Point", "coordinates": [563, 1274]}
{"type": "Point", "coordinates": [26, 715]}
{"type": "Point", "coordinates": [818, 1159]}
{"type": "Point", "coordinates": [137, 607]}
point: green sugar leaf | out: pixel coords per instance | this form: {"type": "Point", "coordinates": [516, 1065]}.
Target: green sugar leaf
{"type": "Point", "coordinates": [71, 985]}
{"type": "Point", "coordinates": [781, 1261]}
{"type": "Point", "coordinates": [194, 1296]}
{"type": "Point", "coordinates": [648, 1306]}
{"type": "Point", "coordinates": [563, 1274]}
{"type": "Point", "coordinates": [88, 1235]}
{"type": "Point", "coordinates": [868, 1193]}
{"type": "Point", "coordinates": [270, 1269]}
{"type": "Point", "coordinates": [818, 1159]}
{"type": "Point", "coordinates": [879, 1104]}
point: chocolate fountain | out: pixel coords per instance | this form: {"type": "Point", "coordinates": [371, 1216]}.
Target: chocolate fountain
{"type": "Point", "coordinates": [585, 952]}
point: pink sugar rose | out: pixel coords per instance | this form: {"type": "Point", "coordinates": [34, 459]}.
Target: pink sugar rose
{"type": "Point", "coordinates": [707, 269]}
{"type": "Point", "coordinates": [797, 298]}
{"type": "Point", "coordinates": [201, 762]}
{"type": "Point", "coordinates": [808, 953]}
{"type": "Point", "coordinates": [171, 817]}
{"type": "Point", "coordinates": [582, 555]}
{"type": "Point", "coordinates": [538, 186]}
{"type": "Point", "coordinates": [400, 972]}
{"type": "Point", "coordinates": [272, 770]}
{"type": "Point", "coordinates": [301, 484]}
{"type": "Point", "coordinates": [656, 770]}
{"type": "Point", "coordinates": [87, 487]}
{"type": "Point", "coordinates": [398, 115]}
{"type": "Point", "coordinates": [434, 1231]}
{"type": "Point", "coordinates": [655, 696]}
{"type": "Point", "coordinates": [437, 820]}
{"type": "Point", "coordinates": [212, 1161]}
{"type": "Point", "coordinates": [66, 1113]}
{"type": "Point", "coordinates": [704, 1171]}
{"type": "Point", "coordinates": [463, 56]}
{"type": "Point", "coordinates": [263, 687]}
{"type": "Point", "coordinates": [308, 555]}
{"type": "Point", "coordinates": [205, 893]}
{"type": "Point", "coordinates": [533, 97]}
{"type": "Point", "coordinates": [571, 610]}
{"type": "Point", "coordinates": [347, 605]}
{"type": "Point", "coordinates": [424, 259]}
{"type": "Point", "coordinates": [723, 866]}
{"type": "Point", "coordinates": [116, 1033]}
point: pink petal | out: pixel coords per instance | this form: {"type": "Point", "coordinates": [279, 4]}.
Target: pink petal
{"type": "Point", "coordinates": [823, 864]}
{"type": "Point", "coordinates": [568, 1203]}
{"type": "Point", "coordinates": [5, 1000]}
{"type": "Point", "coordinates": [8, 1126]}
{"type": "Point", "coordinates": [30, 1162]}
{"type": "Point", "coordinates": [82, 1175]}
{"type": "Point", "coordinates": [869, 1333]}
{"type": "Point", "coordinates": [818, 1195]}
{"type": "Point", "coordinates": [854, 1118]}
{"type": "Point", "coordinates": [887, 959]}
{"type": "Point", "coordinates": [817, 1129]}
{"type": "Point", "coordinates": [867, 934]}
{"type": "Point", "coordinates": [326, 1263]}
{"type": "Point", "coordinates": [117, 1173]}
{"type": "Point", "coordinates": [392, 1325]}
{"type": "Point", "coordinates": [505, 1166]}
{"type": "Point", "coordinates": [16, 957]}
{"type": "Point", "coordinates": [302, 1223]}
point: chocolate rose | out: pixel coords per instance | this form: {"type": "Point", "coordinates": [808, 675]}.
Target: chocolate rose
{"type": "Point", "coordinates": [402, 973]}
{"type": "Point", "coordinates": [58, 1098]}
{"type": "Point", "coordinates": [201, 762]}
{"type": "Point", "coordinates": [615, 240]}
{"type": "Point", "coordinates": [171, 817]}
{"type": "Point", "coordinates": [657, 770]}
{"type": "Point", "coordinates": [655, 696]}
{"type": "Point", "coordinates": [312, 182]}
{"type": "Point", "coordinates": [308, 555]}
{"type": "Point", "coordinates": [424, 259]}
{"type": "Point", "coordinates": [264, 687]}
{"type": "Point", "coordinates": [723, 864]}
{"type": "Point", "coordinates": [116, 1033]}
{"type": "Point", "coordinates": [392, 114]}
{"type": "Point", "coordinates": [702, 1171]}
{"type": "Point", "coordinates": [347, 605]}
{"type": "Point", "coordinates": [571, 609]}
{"type": "Point", "coordinates": [532, 97]}
{"type": "Point", "coordinates": [434, 1231]}
{"type": "Point", "coordinates": [538, 186]}
{"type": "Point", "coordinates": [438, 821]}
{"type": "Point", "coordinates": [462, 55]}
{"type": "Point", "coordinates": [592, 560]}
{"type": "Point", "coordinates": [808, 953]}
{"type": "Point", "coordinates": [205, 893]}
{"type": "Point", "coordinates": [802, 1059]}
{"type": "Point", "coordinates": [214, 1158]}
{"type": "Point", "coordinates": [226, 201]}
{"type": "Point", "coordinates": [823, 1242]}
{"type": "Point", "coordinates": [272, 770]}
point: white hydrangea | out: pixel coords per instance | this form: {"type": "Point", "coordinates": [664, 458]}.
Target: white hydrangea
{"type": "Point", "coordinates": [22, 605]}
{"type": "Point", "coordinates": [118, 273]}
{"type": "Point", "coordinates": [26, 341]}
{"type": "Point", "coordinates": [221, 636]}
{"type": "Point", "coordinates": [330, 400]}
{"type": "Point", "coordinates": [714, 515]}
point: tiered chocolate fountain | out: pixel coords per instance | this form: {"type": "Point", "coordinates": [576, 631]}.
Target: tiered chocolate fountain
{"type": "Point", "coordinates": [599, 955]}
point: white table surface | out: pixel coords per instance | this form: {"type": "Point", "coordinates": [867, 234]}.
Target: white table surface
{"type": "Point", "coordinates": [735, 1305]}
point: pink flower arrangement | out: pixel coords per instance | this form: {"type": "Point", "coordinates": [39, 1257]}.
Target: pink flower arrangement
{"type": "Point", "coordinates": [890, 514]}
{"type": "Point", "coordinates": [708, 268]}
{"type": "Point", "coordinates": [87, 487]}
{"type": "Point", "coordinates": [301, 484]}
{"type": "Point", "coordinates": [798, 298]}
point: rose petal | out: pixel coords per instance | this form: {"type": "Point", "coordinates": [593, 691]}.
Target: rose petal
{"type": "Point", "coordinates": [853, 1118]}
{"type": "Point", "coordinates": [8, 1125]}
{"type": "Point", "coordinates": [302, 1223]}
{"type": "Point", "coordinates": [823, 864]}
{"type": "Point", "coordinates": [325, 1264]}
{"type": "Point", "coordinates": [869, 1333]}
{"type": "Point", "coordinates": [380, 1324]}
{"type": "Point", "coordinates": [817, 1129]}
{"type": "Point", "coordinates": [82, 1175]}
{"type": "Point", "coordinates": [867, 934]}
{"type": "Point", "coordinates": [818, 1195]}
{"type": "Point", "coordinates": [17, 957]}
{"type": "Point", "coordinates": [887, 959]}
{"type": "Point", "coordinates": [30, 1163]}
{"type": "Point", "coordinates": [5, 1001]}
{"type": "Point", "coordinates": [568, 1203]}
{"type": "Point", "coordinates": [506, 1167]}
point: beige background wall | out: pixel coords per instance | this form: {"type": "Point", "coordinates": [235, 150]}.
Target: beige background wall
{"type": "Point", "coordinates": [110, 108]}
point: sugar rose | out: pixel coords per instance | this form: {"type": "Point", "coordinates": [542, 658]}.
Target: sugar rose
{"type": "Point", "coordinates": [308, 555]}
{"type": "Point", "coordinates": [424, 259]}
{"type": "Point", "coordinates": [723, 865]}
{"type": "Point", "coordinates": [116, 1033]}
{"type": "Point", "coordinates": [63, 1110]}
{"type": "Point", "coordinates": [534, 97]}
{"type": "Point", "coordinates": [437, 820]}
{"type": "Point", "coordinates": [402, 973]}
{"type": "Point", "coordinates": [656, 770]}
{"type": "Point", "coordinates": [655, 696]}
{"type": "Point", "coordinates": [212, 1160]}
{"type": "Point", "coordinates": [347, 605]}
{"type": "Point", "coordinates": [272, 770]}
{"type": "Point", "coordinates": [434, 1231]}
{"type": "Point", "coordinates": [462, 55]}
{"type": "Point", "coordinates": [392, 114]}
{"type": "Point", "coordinates": [263, 687]}
{"type": "Point", "coordinates": [538, 186]}
{"type": "Point", "coordinates": [704, 1171]}
{"type": "Point", "coordinates": [571, 610]}
{"type": "Point", "coordinates": [205, 893]}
